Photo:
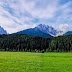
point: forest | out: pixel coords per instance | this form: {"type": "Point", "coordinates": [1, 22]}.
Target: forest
{"type": "Point", "coordinates": [29, 43]}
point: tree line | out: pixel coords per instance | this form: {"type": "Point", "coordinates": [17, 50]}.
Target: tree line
{"type": "Point", "coordinates": [28, 43]}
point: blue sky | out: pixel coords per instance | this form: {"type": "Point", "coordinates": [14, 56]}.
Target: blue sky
{"type": "Point", "coordinates": [17, 15]}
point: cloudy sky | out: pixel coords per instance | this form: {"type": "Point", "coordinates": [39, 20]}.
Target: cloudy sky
{"type": "Point", "coordinates": [17, 15]}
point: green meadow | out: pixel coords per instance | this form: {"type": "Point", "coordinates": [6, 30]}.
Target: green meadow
{"type": "Point", "coordinates": [35, 62]}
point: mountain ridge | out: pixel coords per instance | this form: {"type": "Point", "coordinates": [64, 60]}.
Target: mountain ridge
{"type": "Point", "coordinates": [47, 29]}
{"type": "Point", "coordinates": [43, 31]}
{"type": "Point", "coordinates": [33, 31]}
{"type": "Point", "coordinates": [68, 32]}
{"type": "Point", "coordinates": [2, 31]}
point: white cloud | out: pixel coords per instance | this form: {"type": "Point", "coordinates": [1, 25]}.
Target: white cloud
{"type": "Point", "coordinates": [42, 11]}
{"type": "Point", "coordinates": [65, 13]}
{"type": "Point", "coordinates": [62, 27]}
{"type": "Point", "coordinates": [31, 6]}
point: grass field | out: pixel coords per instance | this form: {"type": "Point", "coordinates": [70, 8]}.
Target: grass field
{"type": "Point", "coordinates": [35, 62]}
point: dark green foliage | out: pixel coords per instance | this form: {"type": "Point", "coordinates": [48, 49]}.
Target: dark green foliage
{"type": "Point", "coordinates": [28, 43]}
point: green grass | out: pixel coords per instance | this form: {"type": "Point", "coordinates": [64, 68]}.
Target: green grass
{"type": "Point", "coordinates": [35, 62]}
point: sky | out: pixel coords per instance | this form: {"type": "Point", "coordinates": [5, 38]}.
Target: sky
{"type": "Point", "coordinates": [17, 15]}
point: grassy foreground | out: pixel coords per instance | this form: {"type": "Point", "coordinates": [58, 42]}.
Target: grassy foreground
{"type": "Point", "coordinates": [35, 62]}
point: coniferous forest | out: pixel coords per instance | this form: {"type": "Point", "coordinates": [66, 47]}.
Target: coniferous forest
{"type": "Point", "coordinates": [28, 43]}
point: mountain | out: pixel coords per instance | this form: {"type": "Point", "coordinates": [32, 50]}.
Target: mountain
{"type": "Point", "coordinates": [67, 33]}
{"type": "Point", "coordinates": [2, 31]}
{"type": "Point", "coordinates": [47, 29]}
{"type": "Point", "coordinates": [34, 31]}
{"type": "Point", "coordinates": [42, 30]}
